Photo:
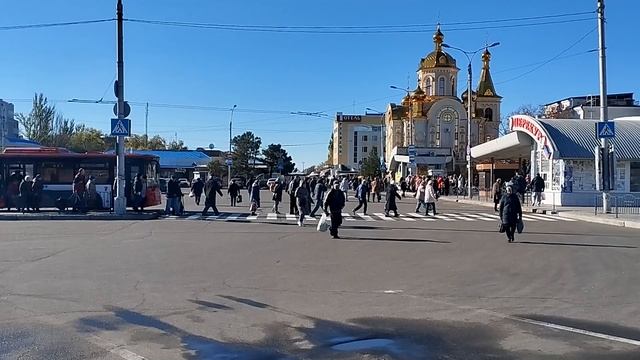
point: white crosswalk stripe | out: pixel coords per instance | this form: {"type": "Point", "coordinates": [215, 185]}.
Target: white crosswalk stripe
{"type": "Point", "coordinates": [409, 217]}
{"type": "Point", "coordinates": [383, 217]}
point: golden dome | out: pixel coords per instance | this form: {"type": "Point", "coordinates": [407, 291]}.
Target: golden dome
{"type": "Point", "coordinates": [437, 58]}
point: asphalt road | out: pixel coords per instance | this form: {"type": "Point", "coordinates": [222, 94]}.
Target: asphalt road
{"type": "Point", "coordinates": [196, 289]}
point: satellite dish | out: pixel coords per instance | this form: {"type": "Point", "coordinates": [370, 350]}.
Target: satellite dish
{"type": "Point", "coordinates": [211, 147]}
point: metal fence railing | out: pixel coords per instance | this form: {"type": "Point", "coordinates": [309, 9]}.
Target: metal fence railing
{"type": "Point", "coordinates": [626, 204]}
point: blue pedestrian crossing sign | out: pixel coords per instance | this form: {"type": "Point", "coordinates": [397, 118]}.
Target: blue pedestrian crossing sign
{"type": "Point", "coordinates": [605, 129]}
{"type": "Point", "coordinates": [120, 127]}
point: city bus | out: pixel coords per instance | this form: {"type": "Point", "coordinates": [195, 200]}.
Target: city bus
{"type": "Point", "coordinates": [58, 166]}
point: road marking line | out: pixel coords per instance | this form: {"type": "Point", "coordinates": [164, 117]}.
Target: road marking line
{"type": "Point", "coordinates": [291, 217]}
{"type": "Point", "coordinates": [576, 330]}
{"type": "Point", "coordinates": [460, 217]}
{"type": "Point", "coordinates": [407, 218]}
{"type": "Point", "coordinates": [555, 217]}
{"type": "Point", "coordinates": [347, 217]}
{"type": "Point", "coordinates": [194, 217]}
{"type": "Point", "coordinates": [441, 217]}
{"type": "Point", "coordinates": [383, 217]}
{"type": "Point", "coordinates": [233, 217]}
{"type": "Point", "coordinates": [416, 215]}
{"type": "Point", "coordinates": [252, 217]}
{"type": "Point", "coordinates": [479, 217]}
{"type": "Point", "coordinates": [214, 217]}
{"type": "Point", "coordinates": [366, 218]}
{"type": "Point", "coordinates": [272, 216]}
{"type": "Point", "coordinates": [113, 348]}
{"type": "Point", "coordinates": [531, 218]}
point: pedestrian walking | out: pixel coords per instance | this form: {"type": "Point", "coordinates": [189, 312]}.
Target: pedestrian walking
{"type": "Point", "coordinates": [497, 194]}
{"type": "Point", "coordinates": [537, 185]}
{"type": "Point", "coordinates": [430, 197]}
{"type": "Point", "coordinates": [24, 196]}
{"type": "Point", "coordinates": [254, 197]}
{"type": "Point", "coordinates": [344, 187]}
{"type": "Point", "coordinates": [91, 193]}
{"type": "Point", "coordinates": [392, 194]}
{"type": "Point", "coordinates": [211, 190]}
{"type": "Point", "coordinates": [420, 196]}
{"type": "Point", "coordinates": [361, 194]}
{"type": "Point", "coordinates": [137, 193]}
{"type": "Point", "coordinates": [312, 186]}
{"type": "Point", "coordinates": [319, 192]}
{"type": "Point", "coordinates": [303, 198]}
{"type": "Point", "coordinates": [333, 205]}
{"type": "Point", "coordinates": [519, 185]}
{"type": "Point", "coordinates": [233, 191]}
{"type": "Point", "coordinates": [197, 187]}
{"type": "Point", "coordinates": [143, 193]}
{"type": "Point", "coordinates": [174, 197]}
{"type": "Point", "coordinates": [510, 213]}
{"type": "Point", "coordinates": [403, 186]}
{"type": "Point", "coordinates": [277, 190]}
{"type": "Point", "coordinates": [36, 192]}
{"type": "Point", "coordinates": [13, 190]}
{"type": "Point", "coordinates": [79, 188]}
{"type": "Point", "coordinates": [291, 190]}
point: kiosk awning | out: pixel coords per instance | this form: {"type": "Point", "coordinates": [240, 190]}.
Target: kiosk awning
{"type": "Point", "coordinates": [512, 145]}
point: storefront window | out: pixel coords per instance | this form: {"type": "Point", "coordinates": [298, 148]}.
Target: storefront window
{"type": "Point", "coordinates": [634, 177]}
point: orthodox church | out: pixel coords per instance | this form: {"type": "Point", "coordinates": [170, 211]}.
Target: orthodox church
{"type": "Point", "coordinates": [427, 132]}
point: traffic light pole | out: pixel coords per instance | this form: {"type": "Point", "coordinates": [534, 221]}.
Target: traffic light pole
{"type": "Point", "coordinates": [120, 205]}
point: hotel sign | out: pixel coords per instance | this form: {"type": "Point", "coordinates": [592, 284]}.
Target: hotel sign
{"type": "Point", "coordinates": [531, 127]}
{"type": "Point", "coordinates": [348, 118]}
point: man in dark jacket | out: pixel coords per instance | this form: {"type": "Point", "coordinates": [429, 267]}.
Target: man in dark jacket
{"type": "Point", "coordinates": [392, 194]}
{"type": "Point", "coordinates": [361, 194]}
{"type": "Point", "coordinates": [319, 191]}
{"type": "Point", "coordinates": [25, 194]}
{"type": "Point", "coordinates": [519, 185]}
{"type": "Point", "coordinates": [537, 186]}
{"type": "Point", "coordinates": [174, 196]}
{"type": "Point", "coordinates": [234, 192]}
{"type": "Point", "coordinates": [510, 213]}
{"type": "Point", "coordinates": [197, 187]}
{"type": "Point", "coordinates": [333, 205]}
{"type": "Point", "coordinates": [36, 192]}
{"type": "Point", "coordinates": [211, 187]}
{"type": "Point", "coordinates": [312, 185]}
{"type": "Point", "coordinates": [137, 193]}
{"type": "Point", "coordinates": [291, 189]}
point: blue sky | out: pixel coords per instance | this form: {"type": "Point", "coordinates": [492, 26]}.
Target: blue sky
{"type": "Point", "coordinates": [293, 71]}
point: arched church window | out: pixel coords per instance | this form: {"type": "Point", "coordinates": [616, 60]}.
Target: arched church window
{"type": "Point", "coordinates": [441, 86]}
{"type": "Point", "coordinates": [453, 86]}
{"type": "Point", "coordinates": [429, 86]}
{"type": "Point", "coordinates": [488, 114]}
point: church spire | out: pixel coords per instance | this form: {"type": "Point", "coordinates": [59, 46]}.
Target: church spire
{"type": "Point", "coordinates": [438, 38]}
{"type": "Point", "coordinates": [485, 86]}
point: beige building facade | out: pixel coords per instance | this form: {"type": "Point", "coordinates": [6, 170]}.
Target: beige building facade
{"type": "Point", "coordinates": [355, 137]}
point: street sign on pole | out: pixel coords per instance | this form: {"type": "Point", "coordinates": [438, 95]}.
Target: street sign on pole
{"type": "Point", "coordinates": [412, 154]}
{"type": "Point", "coordinates": [605, 130]}
{"type": "Point", "coordinates": [120, 127]}
{"type": "Point", "coordinates": [229, 162]}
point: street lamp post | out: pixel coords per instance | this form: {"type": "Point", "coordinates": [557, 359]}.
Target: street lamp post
{"type": "Point", "coordinates": [469, 55]}
{"type": "Point", "coordinates": [120, 204]}
{"type": "Point", "coordinates": [230, 132]}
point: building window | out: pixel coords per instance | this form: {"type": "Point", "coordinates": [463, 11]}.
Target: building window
{"type": "Point", "coordinates": [364, 149]}
{"type": "Point", "coordinates": [374, 138]}
{"type": "Point", "coordinates": [488, 114]}
{"type": "Point", "coordinates": [374, 149]}
{"type": "Point", "coordinates": [634, 177]}
{"type": "Point", "coordinates": [441, 86]}
{"type": "Point", "coordinates": [429, 86]}
{"type": "Point", "coordinates": [365, 138]}
{"type": "Point", "coordinates": [355, 138]}
{"type": "Point", "coordinates": [453, 86]}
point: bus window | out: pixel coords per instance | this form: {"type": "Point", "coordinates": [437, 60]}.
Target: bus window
{"type": "Point", "coordinates": [57, 175]}
{"type": "Point", "coordinates": [102, 176]}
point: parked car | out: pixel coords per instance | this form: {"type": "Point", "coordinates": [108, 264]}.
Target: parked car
{"type": "Point", "coordinates": [184, 183]}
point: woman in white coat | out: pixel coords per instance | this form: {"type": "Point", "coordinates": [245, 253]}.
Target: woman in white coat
{"type": "Point", "coordinates": [430, 197]}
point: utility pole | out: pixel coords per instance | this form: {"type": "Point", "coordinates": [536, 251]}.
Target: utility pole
{"type": "Point", "coordinates": [120, 205]}
{"type": "Point", "coordinates": [230, 140]}
{"type": "Point", "coordinates": [146, 126]}
{"type": "Point", "coordinates": [604, 115]}
{"type": "Point", "coordinates": [469, 172]}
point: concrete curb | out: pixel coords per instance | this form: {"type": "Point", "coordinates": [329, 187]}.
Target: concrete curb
{"type": "Point", "coordinates": [100, 217]}
{"type": "Point", "coordinates": [605, 221]}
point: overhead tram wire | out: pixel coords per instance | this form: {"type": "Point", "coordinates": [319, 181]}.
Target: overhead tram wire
{"type": "Point", "coordinates": [557, 56]}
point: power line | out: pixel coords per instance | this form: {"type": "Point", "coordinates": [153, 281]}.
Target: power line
{"type": "Point", "coordinates": [543, 61]}
{"type": "Point", "coordinates": [557, 56]}
{"type": "Point", "coordinates": [341, 30]}
{"type": "Point", "coordinates": [60, 24]}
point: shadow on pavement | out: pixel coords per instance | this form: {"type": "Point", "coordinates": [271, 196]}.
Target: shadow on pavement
{"type": "Point", "coordinates": [360, 338]}
{"type": "Point", "coordinates": [394, 240]}
{"type": "Point", "coordinates": [576, 244]}
{"type": "Point", "coordinates": [211, 305]}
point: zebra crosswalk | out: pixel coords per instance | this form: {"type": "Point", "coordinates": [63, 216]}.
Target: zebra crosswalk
{"type": "Point", "coordinates": [411, 217]}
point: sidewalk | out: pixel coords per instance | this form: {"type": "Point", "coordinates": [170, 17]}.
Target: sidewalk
{"type": "Point", "coordinates": [92, 215]}
{"type": "Point", "coordinates": [577, 213]}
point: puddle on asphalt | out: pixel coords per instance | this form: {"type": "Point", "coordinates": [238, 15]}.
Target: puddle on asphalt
{"type": "Point", "coordinates": [366, 344]}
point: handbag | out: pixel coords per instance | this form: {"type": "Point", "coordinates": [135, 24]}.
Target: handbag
{"type": "Point", "coordinates": [323, 223]}
{"type": "Point", "coordinates": [239, 200]}
{"type": "Point", "coordinates": [253, 207]}
{"type": "Point", "coordinates": [519, 226]}
{"type": "Point", "coordinates": [501, 227]}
